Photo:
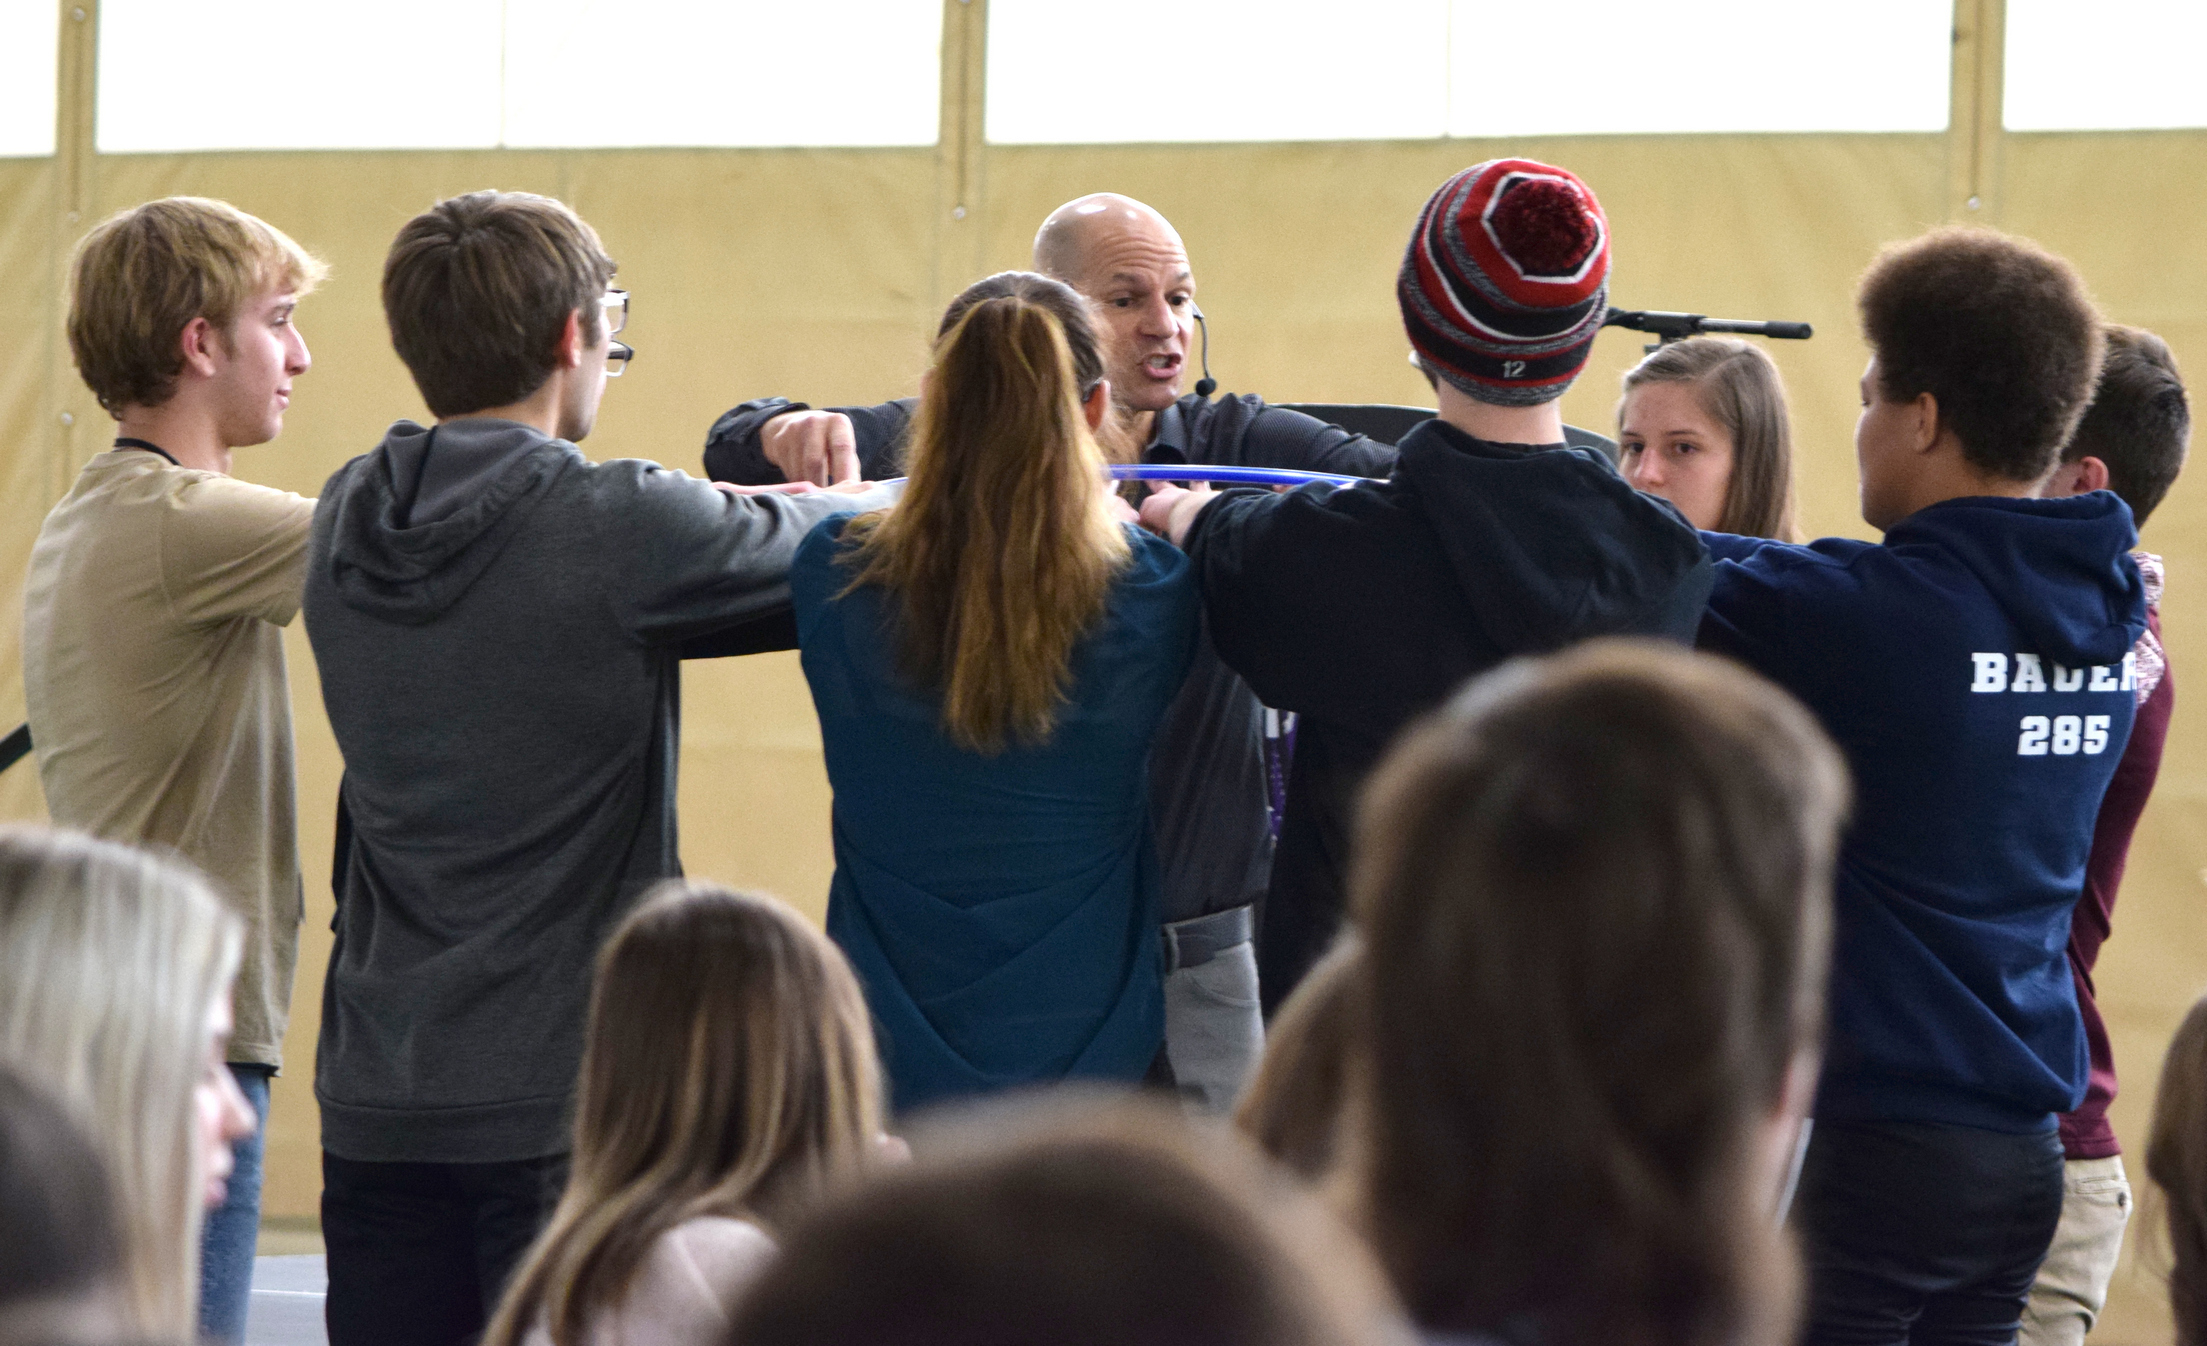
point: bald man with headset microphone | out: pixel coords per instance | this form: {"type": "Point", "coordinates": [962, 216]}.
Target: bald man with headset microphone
{"type": "Point", "coordinates": [1208, 787]}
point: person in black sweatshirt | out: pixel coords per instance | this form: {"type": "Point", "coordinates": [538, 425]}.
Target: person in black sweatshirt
{"type": "Point", "coordinates": [1362, 607]}
{"type": "Point", "coordinates": [1976, 668]}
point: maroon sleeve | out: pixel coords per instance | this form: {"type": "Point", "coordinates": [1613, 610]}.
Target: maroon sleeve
{"type": "Point", "coordinates": [2085, 1133]}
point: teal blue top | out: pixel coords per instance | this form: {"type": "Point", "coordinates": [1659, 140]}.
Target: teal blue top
{"type": "Point", "coordinates": [1001, 912]}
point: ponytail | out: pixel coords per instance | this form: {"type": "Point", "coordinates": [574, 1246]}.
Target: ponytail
{"type": "Point", "coordinates": [1003, 550]}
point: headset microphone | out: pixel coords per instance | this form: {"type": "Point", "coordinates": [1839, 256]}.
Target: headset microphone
{"type": "Point", "coordinates": [1206, 385]}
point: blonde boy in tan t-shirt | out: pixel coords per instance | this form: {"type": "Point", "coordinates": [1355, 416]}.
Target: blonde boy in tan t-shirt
{"type": "Point", "coordinates": [153, 666]}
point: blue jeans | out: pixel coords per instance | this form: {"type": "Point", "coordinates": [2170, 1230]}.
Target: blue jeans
{"type": "Point", "coordinates": [233, 1229]}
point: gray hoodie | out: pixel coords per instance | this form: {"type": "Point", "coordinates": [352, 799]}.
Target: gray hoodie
{"type": "Point", "coordinates": [497, 622]}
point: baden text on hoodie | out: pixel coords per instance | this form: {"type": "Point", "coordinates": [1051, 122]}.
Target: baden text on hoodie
{"type": "Point", "coordinates": [1975, 669]}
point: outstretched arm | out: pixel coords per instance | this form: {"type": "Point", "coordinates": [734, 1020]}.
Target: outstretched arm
{"type": "Point", "coordinates": [773, 440]}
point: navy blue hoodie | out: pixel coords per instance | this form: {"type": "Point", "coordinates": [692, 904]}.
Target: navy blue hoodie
{"type": "Point", "coordinates": [1974, 670]}
{"type": "Point", "coordinates": [1364, 607]}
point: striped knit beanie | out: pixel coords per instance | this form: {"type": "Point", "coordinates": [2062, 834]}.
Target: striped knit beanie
{"type": "Point", "coordinates": [1506, 281]}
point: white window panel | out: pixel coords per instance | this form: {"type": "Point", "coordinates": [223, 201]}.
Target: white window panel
{"type": "Point", "coordinates": [2109, 65]}
{"type": "Point", "coordinates": [1625, 66]}
{"type": "Point", "coordinates": [473, 74]}
{"type": "Point", "coordinates": [1306, 70]}
{"type": "Point", "coordinates": [759, 72]}
{"type": "Point", "coordinates": [1066, 73]}
{"type": "Point", "coordinates": [29, 48]}
{"type": "Point", "coordinates": [297, 74]}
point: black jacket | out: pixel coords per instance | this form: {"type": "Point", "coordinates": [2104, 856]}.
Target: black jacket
{"type": "Point", "coordinates": [1234, 431]}
{"type": "Point", "coordinates": [1208, 793]}
{"type": "Point", "coordinates": [1362, 607]}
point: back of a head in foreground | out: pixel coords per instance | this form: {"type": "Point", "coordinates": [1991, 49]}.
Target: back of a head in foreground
{"type": "Point", "coordinates": [111, 961]}
{"type": "Point", "coordinates": [1083, 1226]}
{"type": "Point", "coordinates": [728, 1070]}
{"type": "Point", "coordinates": [1598, 884]}
{"type": "Point", "coordinates": [142, 275]}
{"type": "Point", "coordinates": [477, 290]}
{"type": "Point", "coordinates": [2176, 1160]}
{"type": "Point", "coordinates": [60, 1259]}
{"type": "Point", "coordinates": [1998, 330]}
{"type": "Point", "coordinates": [2139, 423]}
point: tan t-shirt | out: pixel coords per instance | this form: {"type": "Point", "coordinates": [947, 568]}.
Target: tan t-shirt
{"type": "Point", "coordinates": [154, 675]}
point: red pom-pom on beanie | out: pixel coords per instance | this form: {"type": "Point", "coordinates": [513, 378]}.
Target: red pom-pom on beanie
{"type": "Point", "coordinates": [1544, 228]}
{"type": "Point", "coordinates": [1506, 281]}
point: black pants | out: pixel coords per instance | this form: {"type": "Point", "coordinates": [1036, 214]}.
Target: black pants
{"type": "Point", "coordinates": [419, 1253]}
{"type": "Point", "coordinates": [1921, 1234]}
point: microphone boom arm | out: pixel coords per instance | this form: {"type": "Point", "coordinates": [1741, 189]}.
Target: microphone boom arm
{"type": "Point", "coordinates": [1669, 327]}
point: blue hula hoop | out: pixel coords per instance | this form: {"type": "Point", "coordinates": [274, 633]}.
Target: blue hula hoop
{"type": "Point", "coordinates": [1213, 472]}
{"type": "Point", "coordinates": [1235, 476]}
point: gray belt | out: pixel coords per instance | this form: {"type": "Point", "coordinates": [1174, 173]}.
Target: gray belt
{"type": "Point", "coordinates": [1199, 939]}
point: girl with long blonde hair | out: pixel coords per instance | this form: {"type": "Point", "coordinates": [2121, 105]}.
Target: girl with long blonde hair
{"type": "Point", "coordinates": [990, 660]}
{"type": "Point", "coordinates": [728, 1078]}
{"type": "Point", "coordinates": [115, 972]}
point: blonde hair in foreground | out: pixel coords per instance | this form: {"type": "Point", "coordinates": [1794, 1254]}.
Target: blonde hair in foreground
{"type": "Point", "coordinates": [1002, 552]}
{"type": "Point", "coordinates": [111, 961]}
{"type": "Point", "coordinates": [142, 275]}
{"type": "Point", "coordinates": [728, 1070]}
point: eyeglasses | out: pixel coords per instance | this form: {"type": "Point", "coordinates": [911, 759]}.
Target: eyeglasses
{"type": "Point", "coordinates": [617, 355]}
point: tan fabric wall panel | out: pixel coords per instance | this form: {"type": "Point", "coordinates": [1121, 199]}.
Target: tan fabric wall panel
{"type": "Point", "coordinates": [816, 274]}
{"type": "Point", "coordinates": [30, 461]}
{"type": "Point", "coordinates": [2141, 250]}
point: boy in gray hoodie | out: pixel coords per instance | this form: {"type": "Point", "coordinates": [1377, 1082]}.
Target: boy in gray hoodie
{"type": "Point", "coordinates": [499, 625]}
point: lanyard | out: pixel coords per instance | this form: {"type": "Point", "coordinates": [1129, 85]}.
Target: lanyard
{"type": "Point", "coordinates": [128, 443]}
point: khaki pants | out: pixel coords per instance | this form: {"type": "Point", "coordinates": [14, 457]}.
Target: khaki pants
{"type": "Point", "coordinates": [1214, 1030]}
{"type": "Point", "coordinates": [2072, 1283]}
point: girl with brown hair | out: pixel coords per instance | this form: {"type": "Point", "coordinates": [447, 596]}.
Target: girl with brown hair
{"type": "Point", "coordinates": [728, 1078]}
{"type": "Point", "coordinates": [990, 661]}
{"type": "Point", "coordinates": [1703, 424]}
{"type": "Point", "coordinates": [1595, 898]}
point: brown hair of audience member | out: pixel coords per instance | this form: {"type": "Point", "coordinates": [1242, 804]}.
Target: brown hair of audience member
{"type": "Point", "coordinates": [1003, 549]}
{"type": "Point", "coordinates": [1088, 1223]}
{"type": "Point", "coordinates": [478, 290]}
{"type": "Point", "coordinates": [1998, 330]}
{"type": "Point", "coordinates": [112, 961]}
{"type": "Point", "coordinates": [728, 1069]}
{"type": "Point", "coordinates": [61, 1260]}
{"type": "Point", "coordinates": [1737, 384]}
{"type": "Point", "coordinates": [1292, 1107]}
{"type": "Point", "coordinates": [1598, 885]}
{"type": "Point", "coordinates": [142, 275]}
{"type": "Point", "coordinates": [2139, 423]}
{"type": "Point", "coordinates": [2176, 1160]}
